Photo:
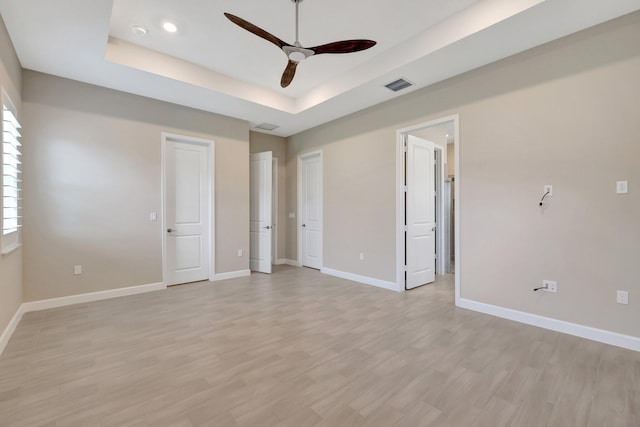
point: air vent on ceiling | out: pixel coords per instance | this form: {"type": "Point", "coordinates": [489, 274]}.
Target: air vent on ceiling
{"type": "Point", "coordinates": [267, 126]}
{"type": "Point", "coordinates": [398, 85]}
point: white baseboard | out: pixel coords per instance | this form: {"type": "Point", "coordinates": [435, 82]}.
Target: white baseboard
{"type": "Point", "coordinates": [89, 297]}
{"type": "Point", "coordinates": [10, 329]}
{"type": "Point", "coordinates": [594, 334]}
{"type": "Point", "coordinates": [361, 279]}
{"type": "Point", "coordinates": [45, 304]}
{"type": "Point", "coordinates": [231, 275]}
{"type": "Point", "coordinates": [287, 262]}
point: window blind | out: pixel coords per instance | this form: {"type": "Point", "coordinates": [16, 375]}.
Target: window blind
{"type": "Point", "coordinates": [11, 170]}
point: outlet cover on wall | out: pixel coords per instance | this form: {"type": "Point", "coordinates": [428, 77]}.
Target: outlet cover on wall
{"type": "Point", "coordinates": [239, 252]}
{"type": "Point", "coordinates": [548, 189]}
{"type": "Point", "coordinates": [550, 286]}
{"type": "Point", "coordinates": [622, 297]}
{"type": "Point", "coordinates": [622, 187]}
{"type": "Point", "coordinates": [77, 270]}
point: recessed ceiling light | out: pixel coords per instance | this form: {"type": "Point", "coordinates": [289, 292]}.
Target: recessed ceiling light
{"type": "Point", "coordinates": [139, 30]}
{"type": "Point", "coordinates": [169, 27]}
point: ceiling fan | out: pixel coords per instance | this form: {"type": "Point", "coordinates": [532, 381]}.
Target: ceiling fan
{"type": "Point", "coordinates": [296, 52]}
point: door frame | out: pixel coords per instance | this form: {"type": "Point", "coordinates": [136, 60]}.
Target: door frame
{"type": "Point", "coordinates": [300, 159]}
{"type": "Point", "coordinates": [210, 144]}
{"type": "Point", "coordinates": [274, 210]}
{"type": "Point", "coordinates": [400, 201]}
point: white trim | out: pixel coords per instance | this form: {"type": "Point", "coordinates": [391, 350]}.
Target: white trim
{"type": "Point", "coordinates": [321, 203]}
{"type": "Point", "coordinates": [456, 207]}
{"type": "Point", "coordinates": [70, 300]}
{"type": "Point", "coordinates": [211, 146]}
{"type": "Point", "coordinates": [11, 328]}
{"type": "Point", "coordinates": [400, 208]}
{"type": "Point", "coordinates": [274, 209]}
{"type": "Point", "coordinates": [90, 297]}
{"type": "Point", "coordinates": [286, 261]}
{"type": "Point", "coordinates": [594, 334]}
{"type": "Point", "coordinates": [362, 279]}
{"type": "Point", "coordinates": [231, 275]}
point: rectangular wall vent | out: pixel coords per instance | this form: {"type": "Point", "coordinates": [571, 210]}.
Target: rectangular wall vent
{"type": "Point", "coordinates": [398, 85]}
{"type": "Point", "coordinates": [267, 126]}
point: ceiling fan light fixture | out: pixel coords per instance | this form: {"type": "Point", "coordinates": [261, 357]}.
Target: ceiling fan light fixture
{"type": "Point", "coordinates": [296, 52]}
{"type": "Point", "coordinates": [296, 56]}
{"type": "Point", "coordinates": [170, 27]}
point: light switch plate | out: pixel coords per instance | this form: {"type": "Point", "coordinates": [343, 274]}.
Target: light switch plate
{"type": "Point", "coordinates": [292, 215]}
{"type": "Point", "coordinates": [153, 216]}
{"type": "Point", "coordinates": [548, 189]}
{"type": "Point", "coordinates": [77, 270]}
{"type": "Point", "coordinates": [622, 187]}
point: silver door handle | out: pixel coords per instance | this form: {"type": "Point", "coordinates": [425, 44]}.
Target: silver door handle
{"type": "Point", "coordinates": [267, 227]}
{"type": "Point", "coordinates": [170, 230]}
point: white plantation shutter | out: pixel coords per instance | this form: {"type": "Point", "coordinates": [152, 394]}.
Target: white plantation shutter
{"type": "Point", "coordinates": [11, 171]}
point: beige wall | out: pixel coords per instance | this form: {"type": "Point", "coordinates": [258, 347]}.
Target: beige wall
{"type": "Point", "coordinates": [93, 176]}
{"type": "Point", "coordinates": [10, 264]}
{"type": "Point", "coordinates": [261, 142]}
{"type": "Point", "coordinates": [564, 114]}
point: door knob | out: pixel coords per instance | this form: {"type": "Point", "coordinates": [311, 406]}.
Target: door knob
{"type": "Point", "coordinates": [267, 227]}
{"type": "Point", "coordinates": [169, 230]}
{"type": "Point", "coordinates": [304, 225]}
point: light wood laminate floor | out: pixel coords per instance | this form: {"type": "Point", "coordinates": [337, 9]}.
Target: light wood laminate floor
{"type": "Point", "coordinates": [298, 349]}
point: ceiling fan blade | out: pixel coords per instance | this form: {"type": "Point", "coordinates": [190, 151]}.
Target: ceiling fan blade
{"type": "Point", "coordinates": [345, 46]}
{"type": "Point", "coordinates": [255, 30]}
{"type": "Point", "coordinates": [288, 74]}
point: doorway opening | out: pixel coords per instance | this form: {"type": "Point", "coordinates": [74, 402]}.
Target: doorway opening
{"type": "Point", "coordinates": [187, 209]}
{"type": "Point", "coordinates": [428, 183]}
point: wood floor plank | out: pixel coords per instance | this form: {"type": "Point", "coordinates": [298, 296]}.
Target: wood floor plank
{"type": "Point", "coordinates": [302, 349]}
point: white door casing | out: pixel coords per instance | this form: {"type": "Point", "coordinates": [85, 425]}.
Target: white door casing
{"type": "Point", "coordinates": [420, 210]}
{"type": "Point", "coordinates": [310, 210]}
{"type": "Point", "coordinates": [187, 218]}
{"type": "Point", "coordinates": [260, 221]}
{"type": "Point", "coordinates": [274, 211]}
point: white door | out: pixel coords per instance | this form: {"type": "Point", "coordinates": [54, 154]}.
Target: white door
{"type": "Point", "coordinates": [260, 215]}
{"type": "Point", "coordinates": [421, 212]}
{"type": "Point", "coordinates": [187, 199]}
{"type": "Point", "coordinates": [310, 208]}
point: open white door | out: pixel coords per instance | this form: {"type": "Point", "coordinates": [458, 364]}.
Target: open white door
{"type": "Point", "coordinates": [310, 210]}
{"type": "Point", "coordinates": [421, 212]}
{"type": "Point", "coordinates": [261, 189]}
{"type": "Point", "coordinates": [187, 201]}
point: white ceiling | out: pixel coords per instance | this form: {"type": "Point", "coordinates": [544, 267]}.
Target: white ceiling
{"type": "Point", "coordinates": [214, 65]}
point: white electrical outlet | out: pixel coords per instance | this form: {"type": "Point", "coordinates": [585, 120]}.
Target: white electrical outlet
{"type": "Point", "coordinates": [292, 215]}
{"type": "Point", "coordinates": [153, 216]}
{"type": "Point", "coordinates": [622, 297]}
{"type": "Point", "coordinates": [361, 256]}
{"type": "Point", "coordinates": [548, 189]}
{"type": "Point", "coordinates": [239, 252]}
{"type": "Point", "coordinates": [77, 270]}
{"type": "Point", "coordinates": [550, 286]}
{"type": "Point", "coordinates": [622, 187]}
